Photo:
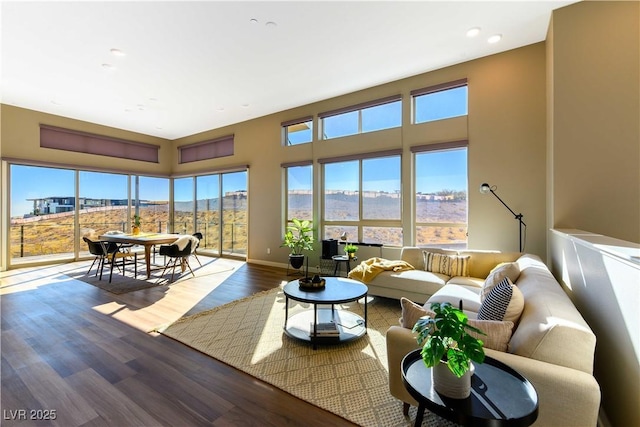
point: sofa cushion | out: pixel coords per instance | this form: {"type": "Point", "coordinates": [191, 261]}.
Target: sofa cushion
{"type": "Point", "coordinates": [496, 334]}
{"type": "Point", "coordinates": [417, 281]}
{"type": "Point", "coordinates": [453, 294]}
{"type": "Point", "coordinates": [481, 262]}
{"type": "Point", "coordinates": [474, 282]}
{"type": "Point", "coordinates": [450, 265]}
{"type": "Point", "coordinates": [497, 275]}
{"type": "Point", "coordinates": [504, 302]}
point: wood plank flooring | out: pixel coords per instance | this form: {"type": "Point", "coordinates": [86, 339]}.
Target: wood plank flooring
{"type": "Point", "coordinates": [81, 356]}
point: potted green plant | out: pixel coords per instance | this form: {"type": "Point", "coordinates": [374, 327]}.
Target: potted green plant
{"type": "Point", "coordinates": [298, 237]}
{"type": "Point", "coordinates": [449, 349]}
{"type": "Point", "coordinates": [135, 228]}
{"type": "Point", "coordinates": [350, 250]}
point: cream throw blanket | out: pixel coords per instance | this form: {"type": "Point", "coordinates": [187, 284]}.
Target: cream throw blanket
{"type": "Point", "coordinates": [370, 268]}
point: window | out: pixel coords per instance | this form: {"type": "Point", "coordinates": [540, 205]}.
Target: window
{"type": "Point", "coordinates": [42, 213]}
{"type": "Point", "coordinates": [103, 205]}
{"type": "Point", "coordinates": [153, 203]}
{"type": "Point", "coordinates": [440, 102]}
{"type": "Point", "coordinates": [298, 131]}
{"type": "Point", "coordinates": [234, 213]}
{"type": "Point", "coordinates": [299, 190]}
{"type": "Point", "coordinates": [367, 117]}
{"type": "Point", "coordinates": [183, 205]}
{"type": "Point", "coordinates": [362, 197]}
{"type": "Point", "coordinates": [208, 211]}
{"type": "Point", "coordinates": [441, 195]}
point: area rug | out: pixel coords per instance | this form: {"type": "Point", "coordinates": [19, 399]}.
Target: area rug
{"type": "Point", "coordinates": [348, 379]}
{"type": "Point", "coordinates": [124, 283]}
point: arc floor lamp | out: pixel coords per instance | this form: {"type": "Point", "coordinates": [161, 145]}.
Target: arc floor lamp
{"type": "Point", "coordinates": [486, 188]}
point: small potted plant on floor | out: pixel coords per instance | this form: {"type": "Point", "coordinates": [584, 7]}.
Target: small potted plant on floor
{"type": "Point", "coordinates": [449, 349]}
{"type": "Point", "coordinates": [298, 237]}
{"type": "Point", "coordinates": [135, 228]}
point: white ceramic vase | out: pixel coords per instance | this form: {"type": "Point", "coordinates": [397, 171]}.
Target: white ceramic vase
{"type": "Point", "coordinates": [447, 384]}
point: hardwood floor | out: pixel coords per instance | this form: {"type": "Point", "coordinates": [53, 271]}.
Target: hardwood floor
{"type": "Point", "coordinates": [81, 356]}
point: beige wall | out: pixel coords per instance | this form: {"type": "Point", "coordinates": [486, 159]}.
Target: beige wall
{"type": "Point", "coordinates": [595, 127]}
{"type": "Point", "coordinates": [593, 51]}
{"type": "Point", "coordinates": [505, 128]}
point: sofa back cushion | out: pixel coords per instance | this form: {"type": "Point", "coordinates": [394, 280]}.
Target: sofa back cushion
{"type": "Point", "coordinates": [482, 262]}
{"type": "Point", "coordinates": [551, 329]}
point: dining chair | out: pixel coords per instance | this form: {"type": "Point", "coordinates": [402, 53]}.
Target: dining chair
{"type": "Point", "coordinates": [179, 251]}
{"type": "Point", "coordinates": [198, 236]}
{"type": "Point", "coordinates": [100, 250]}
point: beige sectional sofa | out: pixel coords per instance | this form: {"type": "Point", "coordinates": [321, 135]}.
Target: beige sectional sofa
{"type": "Point", "coordinates": [551, 343]}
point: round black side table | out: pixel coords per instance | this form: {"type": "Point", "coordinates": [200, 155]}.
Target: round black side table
{"type": "Point", "coordinates": [500, 396]}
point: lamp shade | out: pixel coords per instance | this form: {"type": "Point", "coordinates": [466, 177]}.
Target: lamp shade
{"type": "Point", "coordinates": [485, 188]}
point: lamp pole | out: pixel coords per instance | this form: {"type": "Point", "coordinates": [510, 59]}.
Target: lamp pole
{"type": "Point", "coordinates": [485, 188]}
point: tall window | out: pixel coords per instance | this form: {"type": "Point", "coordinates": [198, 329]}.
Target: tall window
{"type": "Point", "coordinates": [441, 195]}
{"type": "Point", "coordinates": [367, 117]}
{"type": "Point", "coordinates": [362, 197]}
{"type": "Point", "coordinates": [235, 234]}
{"type": "Point", "coordinates": [153, 203]}
{"type": "Point", "coordinates": [42, 213]}
{"type": "Point", "coordinates": [183, 205]}
{"type": "Point", "coordinates": [103, 204]}
{"type": "Point", "coordinates": [299, 184]}
{"type": "Point", "coordinates": [440, 102]}
{"type": "Point", "coordinates": [208, 211]}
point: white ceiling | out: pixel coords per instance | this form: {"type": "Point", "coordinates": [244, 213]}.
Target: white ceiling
{"type": "Point", "coordinates": [194, 66]}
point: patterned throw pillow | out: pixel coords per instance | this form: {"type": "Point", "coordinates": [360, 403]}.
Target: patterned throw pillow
{"type": "Point", "coordinates": [504, 302]}
{"type": "Point", "coordinates": [450, 265]}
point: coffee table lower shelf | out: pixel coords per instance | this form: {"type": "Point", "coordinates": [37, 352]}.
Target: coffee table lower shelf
{"type": "Point", "coordinates": [350, 325]}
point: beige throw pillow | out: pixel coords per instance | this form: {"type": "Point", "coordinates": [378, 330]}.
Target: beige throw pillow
{"type": "Point", "coordinates": [497, 275]}
{"type": "Point", "coordinates": [497, 333]}
{"type": "Point", "coordinates": [450, 265]}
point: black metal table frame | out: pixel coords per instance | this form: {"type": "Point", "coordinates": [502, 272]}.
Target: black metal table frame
{"type": "Point", "coordinates": [314, 339]}
{"type": "Point", "coordinates": [467, 419]}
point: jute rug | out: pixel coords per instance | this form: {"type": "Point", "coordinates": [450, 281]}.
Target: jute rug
{"type": "Point", "coordinates": [348, 379]}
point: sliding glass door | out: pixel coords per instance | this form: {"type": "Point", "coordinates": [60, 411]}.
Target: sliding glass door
{"type": "Point", "coordinates": [234, 213]}
{"type": "Point", "coordinates": [208, 212]}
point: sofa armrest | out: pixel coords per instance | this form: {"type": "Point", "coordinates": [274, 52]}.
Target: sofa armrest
{"type": "Point", "coordinates": [400, 342]}
{"type": "Point", "coordinates": [567, 397]}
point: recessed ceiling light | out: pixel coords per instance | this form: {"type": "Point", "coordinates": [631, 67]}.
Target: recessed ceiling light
{"type": "Point", "coordinates": [271, 24]}
{"type": "Point", "coordinates": [253, 20]}
{"type": "Point", "coordinates": [473, 32]}
{"type": "Point", "coordinates": [117, 52]}
{"type": "Point", "coordinates": [220, 108]}
{"type": "Point", "coordinates": [108, 67]}
{"type": "Point", "coordinates": [54, 102]}
{"type": "Point", "coordinates": [495, 38]}
{"type": "Point", "coordinates": [245, 105]}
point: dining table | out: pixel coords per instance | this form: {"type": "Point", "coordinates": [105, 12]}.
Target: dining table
{"type": "Point", "coordinates": [147, 240]}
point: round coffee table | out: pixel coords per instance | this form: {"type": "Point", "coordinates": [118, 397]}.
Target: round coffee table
{"type": "Point", "coordinates": [326, 325]}
{"type": "Point", "coordinates": [500, 396]}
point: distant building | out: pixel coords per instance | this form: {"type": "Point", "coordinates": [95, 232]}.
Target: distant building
{"type": "Point", "coordinates": [54, 205]}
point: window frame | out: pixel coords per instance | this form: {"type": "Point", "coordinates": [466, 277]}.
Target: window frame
{"type": "Point", "coordinates": [438, 148]}
{"type": "Point", "coordinates": [360, 224]}
{"type": "Point", "coordinates": [285, 130]}
{"type": "Point", "coordinates": [429, 90]}
{"type": "Point", "coordinates": [358, 108]}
